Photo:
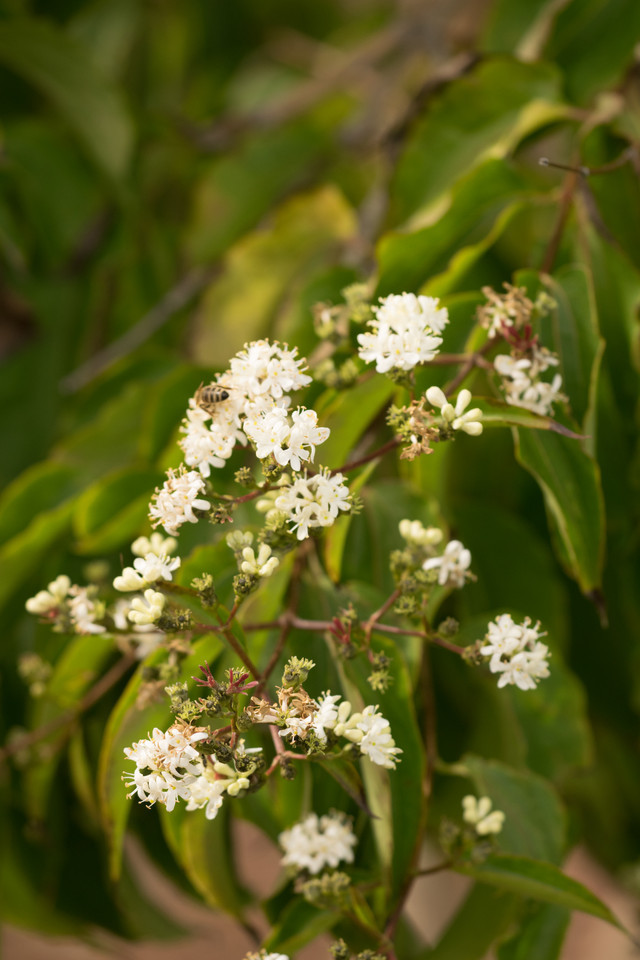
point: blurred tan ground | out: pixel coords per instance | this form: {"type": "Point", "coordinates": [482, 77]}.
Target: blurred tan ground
{"type": "Point", "coordinates": [431, 906]}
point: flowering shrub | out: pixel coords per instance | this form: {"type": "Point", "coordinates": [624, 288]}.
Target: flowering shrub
{"type": "Point", "coordinates": [340, 577]}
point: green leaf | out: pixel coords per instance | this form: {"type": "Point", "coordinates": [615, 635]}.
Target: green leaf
{"type": "Point", "coordinates": [113, 509]}
{"type": "Point", "coordinates": [302, 236]}
{"type": "Point", "coordinates": [407, 260]}
{"type": "Point", "coordinates": [404, 784]}
{"type": "Point", "coordinates": [572, 332]}
{"type": "Point", "coordinates": [541, 881]}
{"type": "Point", "coordinates": [239, 188]}
{"type": "Point", "coordinates": [205, 851]}
{"type": "Point", "coordinates": [299, 924]}
{"type": "Point", "coordinates": [40, 488]}
{"type": "Point", "coordinates": [589, 46]}
{"type": "Point", "coordinates": [534, 817]}
{"type": "Point", "coordinates": [126, 725]}
{"type": "Point", "coordinates": [82, 662]}
{"type": "Point", "coordinates": [336, 536]}
{"type": "Point", "coordinates": [348, 414]}
{"type": "Point", "coordinates": [539, 937]}
{"type": "Point", "coordinates": [520, 26]}
{"type": "Point", "coordinates": [570, 482]}
{"type": "Point", "coordinates": [61, 70]}
{"type": "Point", "coordinates": [498, 414]}
{"type": "Point", "coordinates": [19, 556]}
{"type": "Point", "coordinates": [482, 918]}
{"type": "Point", "coordinates": [481, 115]}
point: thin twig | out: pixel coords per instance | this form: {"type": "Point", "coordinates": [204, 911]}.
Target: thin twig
{"type": "Point", "coordinates": [380, 452]}
{"type": "Point", "coordinates": [179, 296]}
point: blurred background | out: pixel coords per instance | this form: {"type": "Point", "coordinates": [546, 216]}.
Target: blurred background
{"type": "Point", "coordinates": [177, 178]}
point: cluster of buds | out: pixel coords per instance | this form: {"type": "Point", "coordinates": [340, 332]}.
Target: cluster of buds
{"type": "Point", "coordinates": [474, 839]}
{"type": "Point", "coordinates": [512, 311]}
{"type": "Point", "coordinates": [423, 563]}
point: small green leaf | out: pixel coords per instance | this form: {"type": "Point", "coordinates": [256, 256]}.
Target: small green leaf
{"type": "Point", "coordinates": [59, 67]}
{"type": "Point", "coordinates": [541, 881]}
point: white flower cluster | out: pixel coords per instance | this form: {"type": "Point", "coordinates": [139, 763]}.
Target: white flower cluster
{"type": "Point", "coordinates": [153, 563]}
{"type": "Point", "coordinates": [257, 381]}
{"type": "Point", "coordinates": [318, 842]}
{"type": "Point", "coordinates": [169, 768]}
{"type": "Point", "coordinates": [314, 501]}
{"type": "Point", "coordinates": [405, 332]}
{"type": "Point", "coordinates": [263, 955]}
{"type": "Point", "coordinates": [175, 502]}
{"type": "Point", "coordinates": [516, 652]}
{"type": "Point", "coordinates": [48, 602]}
{"type": "Point", "coordinates": [69, 607]}
{"type": "Point", "coordinates": [290, 442]}
{"type": "Point", "coordinates": [455, 416]}
{"type": "Point", "coordinates": [520, 380]}
{"type": "Point", "coordinates": [369, 729]}
{"type": "Point", "coordinates": [477, 812]}
{"type": "Point", "coordinates": [452, 566]}
{"type": "Point", "coordinates": [417, 535]}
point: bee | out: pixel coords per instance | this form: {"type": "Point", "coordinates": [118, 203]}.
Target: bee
{"type": "Point", "coordinates": [208, 397]}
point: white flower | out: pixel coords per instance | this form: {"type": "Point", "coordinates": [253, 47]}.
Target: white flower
{"type": "Point", "coordinates": [153, 567]}
{"type": "Point", "coordinates": [261, 566]}
{"type": "Point", "coordinates": [521, 384]}
{"type": "Point", "coordinates": [289, 443]}
{"type": "Point", "coordinates": [468, 422]}
{"type": "Point", "coordinates": [504, 638]}
{"type": "Point", "coordinates": [85, 610]}
{"type": "Point", "coordinates": [239, 539]}
{"type": "Point", "coordinates": [207, 445]}
{"type": "Point", "coordinates": [515, 652]}
{"type": "Point", "coordinates": [206, 793]}
{"type": "Point", "coordinates": [166, 765]}
{"type": "Point", "coordinates": [476, 812]}
{"type": "Point", "coordinates": [326, 715]}
{"type": "Point", "coordinates": [128, 580]}
{"type": "Point", "coordinates": [313, 501]}
{"type": "Point", "coordinates": [156, 543]}
{"type": "Point", "coordinates": [372, 733]}
{"type": "Point", "coordinates": [266, 369]}
{"type": "Point", "coordinates": [416, 534]}
{"type": "Point", "coordinates": [149, 609]}
{"type": "Point", "coordinates": [453, 564]}
{"type": "Point", "coordinates": [177, 500]}
{"type": "Point", "coordinates": [318, 842]}
{"type": "Point", "coordinates": [403, 332]}
{"type": "Point", "coordinates": [50, 599]}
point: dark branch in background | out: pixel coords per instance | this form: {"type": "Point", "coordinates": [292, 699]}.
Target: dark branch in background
{"type": "Point", "coordinates": [92, 696]}
{"type": "Point", "coordinates": [178, 297]}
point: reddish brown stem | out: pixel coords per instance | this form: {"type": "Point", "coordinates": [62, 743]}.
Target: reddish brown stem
{"type": "Point", "coordinates": [380, 452]}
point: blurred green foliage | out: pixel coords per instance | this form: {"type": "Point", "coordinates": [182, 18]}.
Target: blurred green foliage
{"type": "Point", "coordinates": [178, 178]}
